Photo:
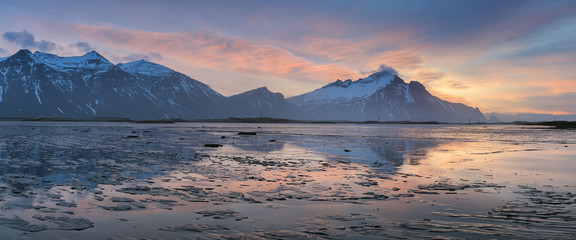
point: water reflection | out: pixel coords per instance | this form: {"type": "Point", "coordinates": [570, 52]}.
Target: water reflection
{"type": "Point", "coordinates": [323, 177]}
{"type": "Point", "coordinates": [259, 143]}
{"type": "Point", "coordinates": [88, 154]}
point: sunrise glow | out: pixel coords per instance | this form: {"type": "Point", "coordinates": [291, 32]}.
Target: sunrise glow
{"type": "Point", "coordinates": [508, 57]}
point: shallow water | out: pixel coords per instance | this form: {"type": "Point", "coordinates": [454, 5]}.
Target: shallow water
{"type": "Point", "coordinates": [290, 181]}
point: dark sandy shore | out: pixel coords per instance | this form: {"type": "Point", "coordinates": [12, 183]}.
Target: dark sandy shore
{"type": "Point", "coordinates": [289, 181]}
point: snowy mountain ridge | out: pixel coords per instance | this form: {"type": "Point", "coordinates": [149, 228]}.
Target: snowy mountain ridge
{"type": "Point", "coordinates": [146, 68]}
{"type": "Point", "coordinates": [91, 60]}
{"type": "Point", "coordinates": [382, 96]}
{"type": "Point", "coordinates": [346, 91]}
{"type": "Point", "coordinates": [90, 86]}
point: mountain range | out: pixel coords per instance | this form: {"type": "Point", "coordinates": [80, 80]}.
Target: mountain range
{"type": "Point", "coordinates": [40, 84]}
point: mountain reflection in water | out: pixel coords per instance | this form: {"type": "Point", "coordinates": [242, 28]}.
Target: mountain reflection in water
{"type": "Point", "coordinates": [340, 181]}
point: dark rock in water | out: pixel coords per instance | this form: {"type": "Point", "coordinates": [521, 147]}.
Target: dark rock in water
{"type": "Point", "coordinates": [367, 183]}
{"type": "Point", "coordinates": [423, 192]}
{"type": "Point", "coordinates": [404, 195]}
{"type": "Point", "coordinates": [246, 133]}
{"type": "Point", "coordinates": [271, 140]}
{"type": "Point", "coordinates": [21, 224]}
{"type": "Point", "coordinates": [223, 137]}
{"type": "Point", "coordinates": [121, 199]}
{"type": "Point", "coordinates": [221, 214]}
{"type": "Point", "coordinates": [67, 223]}
{"type": "Point", "coordinates": [120, 207]}
{"type": "Point", "coordinates": [212, 145]}
{"type": "Point", "coordinates": [346, 150]}
{"type": "Point", "coordinates": [66, 204]}
{"type": "Point", "coordinates": [132, 136]}
{"type": "Point", "coordinates": [194, 228]}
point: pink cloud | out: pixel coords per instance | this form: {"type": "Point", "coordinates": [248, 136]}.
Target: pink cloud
{"type": "Point", "coordinates": [219, 52]}
{"type": "Point", "coordinates": [470, 76]}
{"type": "Point", "coordinates": [428, 76]}
{"type": "Point", "coordinates": [399, 59]}
{"type": "Point", "coordinates": [331, 48]}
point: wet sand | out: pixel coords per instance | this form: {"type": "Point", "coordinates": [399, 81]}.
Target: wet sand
{"type": "Point", "coordinates": [289, 181]}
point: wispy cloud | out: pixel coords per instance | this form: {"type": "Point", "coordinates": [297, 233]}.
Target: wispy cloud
{"type": "Point", "coordinates": [139, 56]}
{"type": "Point", "coordinates": [400, 59]}
{"type": "Point", "coordinates": [428, 76]}
{"type": "Point", "coordinates": [218, 51]}
{"type": "Point", "coordinates": [329, 48]}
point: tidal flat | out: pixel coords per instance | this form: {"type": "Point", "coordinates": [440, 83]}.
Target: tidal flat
{"type": "Point", "coordinates": [65, 180]}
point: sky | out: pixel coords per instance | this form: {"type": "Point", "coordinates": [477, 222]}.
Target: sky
{"type": "Point", "coordinates": [501, 56]}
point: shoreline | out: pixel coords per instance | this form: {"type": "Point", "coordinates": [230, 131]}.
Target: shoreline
{"type": "Point", "coordinates": [226, 120]}
{"type": "Point", "coordinates": [554, 124]}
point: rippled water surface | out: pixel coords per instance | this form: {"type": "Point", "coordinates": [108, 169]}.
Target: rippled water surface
{"type": "Point", "coordinates": [289, 181]}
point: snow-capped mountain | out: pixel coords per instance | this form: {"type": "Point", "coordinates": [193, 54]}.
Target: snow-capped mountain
{"type": "Point", "coordinates": [91, 60]}
{"type": "Point", "coordinates": [382, 96]}
{"type": "Point", "coordinates": [89, 86]}
{"type": "Point", "coordinates": [144, 67]}
{"type": "Point", "coordinates": [261, 102]}
{"type": "Point", "coordinates": [46, 85]}
{"type": "Point", "coordinates": [344, 92]}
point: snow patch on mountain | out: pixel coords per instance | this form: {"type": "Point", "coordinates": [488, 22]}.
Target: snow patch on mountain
{"type": "Point", "coordinates": [91, 60]}
{"type": "Point", "coordinates": [146, 68]}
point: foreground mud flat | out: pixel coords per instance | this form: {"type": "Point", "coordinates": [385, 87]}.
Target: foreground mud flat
{"type": "Point", "coordinates": [288, 181]}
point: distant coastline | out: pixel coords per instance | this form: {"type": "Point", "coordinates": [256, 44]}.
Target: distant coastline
{"type": "Point", "coordinates": [554, 124]}
{"type": "Point", "coordinates": [220, 120]}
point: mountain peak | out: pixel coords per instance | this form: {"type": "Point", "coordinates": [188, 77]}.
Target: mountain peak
{"type": "Point", "coordinates": [146, 68]}
{"type": "Point", "coordinates": [260, 92]}
{"type": "Point", "coordinates": [261, 89]}
{"type": "Point", "coordinates": [22, 52]}
{"type": "Point", "coordinates": [349, 90]}
{"type": "Point", "coordinates": [93, 55]}
{"type": "Point", "coordinates": [90, 60]}
{"type": "Point", "coordinates": [398, 80]}
{"type": "Point", "coordinates": [24, 55]}
{"type": "Point", "coordinates": [257, 91]}
{"type": "Point", "coordinates": [380, 74]}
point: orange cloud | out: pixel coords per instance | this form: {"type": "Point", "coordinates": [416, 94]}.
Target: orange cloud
{"type": "Point", "coordinates": [220, 52]}
{"type": "Point", "coordinates": [331, 48]}
{"type": "Point", "coordinates": [477, 77]}
{"type": "Point", "coordinates": [399, 59]}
